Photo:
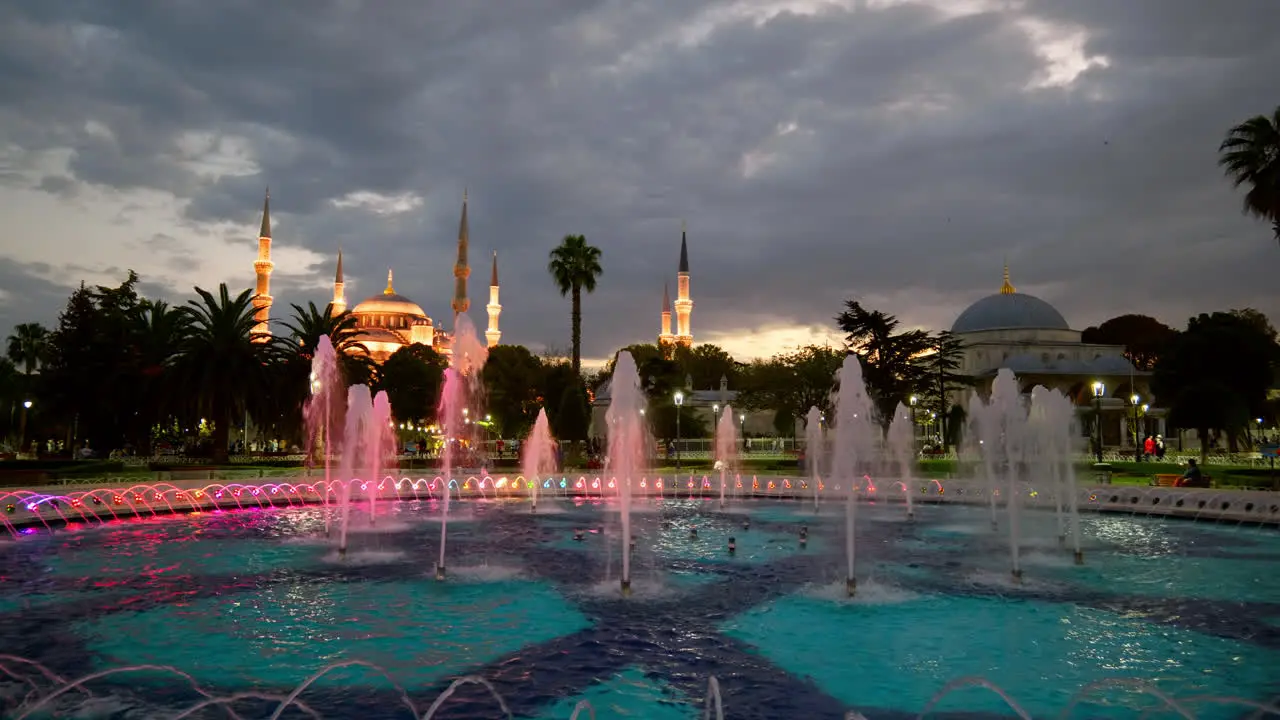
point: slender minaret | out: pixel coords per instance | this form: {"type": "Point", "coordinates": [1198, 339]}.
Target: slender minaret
{"type": "Point", "coordinates": [665, 338]}
{"type": "Point", "coordinates": [1006, 288]}
{"type": "Point", "coordinates": [493, 334]}
{"type": "Point", "coordinates": [684, 305]}
{"type": "Point", "coordinates": [339, 302]}
{"type": "Point", "coordinates": [460, 269]}
{"type": "Point", "coordinates": [262, 267]}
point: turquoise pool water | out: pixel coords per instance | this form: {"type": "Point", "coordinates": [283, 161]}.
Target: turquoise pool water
{"type": "Point", "coordinates": [259, 600]}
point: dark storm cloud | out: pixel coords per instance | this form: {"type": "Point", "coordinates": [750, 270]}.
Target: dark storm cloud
{"type": "Point", "coordinates": [890, 154]}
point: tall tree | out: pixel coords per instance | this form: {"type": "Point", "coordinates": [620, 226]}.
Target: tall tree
{"type": "Point", "coordinates": [1216, 374]}
{"type": "Point", "coordinates": [1144, 338]}
{"type": "Point", "coordinates": [942, 378]}
{"type": "Point", "coordinates": [224, 366]}
{"type": "Point", "coordinates": [889, 357]}
{"type": "Point", "coordinates": [575, 266]}
{"type": "Point", "coordinates": [158, 331]}
{"type": "Point", "coordinates": [511, 378]}
{"type": "Point", "coordinates": [791, 383]}
{"type": "Point", "coordinates": [311, 323]}
{"type": "Point", "coordinates": [88, 384]}
{"type": "Point", "coordinates": [412, 378]}
{"type": "Point", "coordinates": [1250, 156]}
{"type": "Point", "coordinates": [706, 364]}
{"type": "Point", "coordinates": [28, 346]}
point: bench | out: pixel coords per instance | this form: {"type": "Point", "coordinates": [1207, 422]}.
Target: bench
{"type": "Point", "coordinates": [1163, 480]}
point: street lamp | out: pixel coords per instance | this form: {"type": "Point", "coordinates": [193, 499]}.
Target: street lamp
{"type": "Point", "coordinates": [22, 424]}
{"type": "Point", "coordinates": [1137, 439]}
{"type": "Point", "coordinates": [915, 432]}
{"type": "Point", "coordinates": [1099, 389]}
{"type": "Point", "coordinates": [715, 413]}
{"type": "Point", "coordinates": [742, 430]}
{"type": "Point", "coordinates": [679, 404]}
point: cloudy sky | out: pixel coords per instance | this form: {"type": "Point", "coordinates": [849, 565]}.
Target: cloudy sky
{"type": "Point", "coordinates": [891, 151]}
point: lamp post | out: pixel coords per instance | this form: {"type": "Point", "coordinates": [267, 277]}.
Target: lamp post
{"type": "Point", "coordinates": [742, 430]}
{"type": "Point", "coordinates": [915, 432]}
{"type": "Point", "coordinates": [22, 425]}
{"type": "Point", "coordinates": [1099, 389]}
{"type": "Point", "coordinates": [715, 414]}
{"type": "Point", "coordinates": [679, 404]}
{"type": "Point", "coordinates": [1137, 439]}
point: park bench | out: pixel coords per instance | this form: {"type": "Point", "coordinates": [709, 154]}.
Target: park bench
{"type": "Point", "coordinates": [1163, 480]}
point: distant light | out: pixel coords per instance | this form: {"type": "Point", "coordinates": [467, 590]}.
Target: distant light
{"type": "Point", "coordinates": [26, 404]}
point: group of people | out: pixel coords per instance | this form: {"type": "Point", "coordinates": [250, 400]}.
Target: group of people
{"type": "Point", "coordinates": [1153, 446]}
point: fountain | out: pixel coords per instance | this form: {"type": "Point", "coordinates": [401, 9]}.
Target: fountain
{"type": "Point", "coordinates": [380, 444]}
{"type": "Point", "coordinates": [462, 386]}
{"type": "Point", "coordinates": [1024, 436]}
{"type": "Point", "coordinates": [627, 442]}
{"type": "Point", "coordinates": [902, 449]}
{"type": "Point", "coordinates": [1061, 430]}
{"type": "Point", "coordinates": [364, 446]}
{"type": "Point", "coordinates": [856, 433]}
{"type": "Point", "coordinates": [1002, 425]}
{"type": "Point", "coordinates": [726, 448]}
{"type": "Point", "coordinates": [323, 409]}
{"type": "Point", "coordinates": [538, 456]}
{"type": "Point", "coordinates": [813, 447]}
{"type": "Point", "coordinates": [975, 441]}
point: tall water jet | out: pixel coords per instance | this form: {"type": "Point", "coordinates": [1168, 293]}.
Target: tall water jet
{"type": "Point", "coordinates": [813, 446]}
{"type": "Point", "coordinates": [624, 421]}
{"type": "Point", "coordinates": [1062, 430]}
{"type": "Point", "coordinates": [1004, 426]}
{"type": "Point", "coordinates": [855, 441]}
{"type": "Point", "coordinates": [354, 451]}
{"type": "Point", "coordinates": [902, 449]}
{"type": "Point", "coordinates": [380, 444]}
{"type": "Point", "coordinates": [538, 456]}
{"type": "Point", "coordinates": [726, 448]}
{"type": "Point", "coordinates": [324, 411]}
{"type": "Point", "coordinates": [977, 409]}
{"type": "Point", "coordinates": [462, 385]}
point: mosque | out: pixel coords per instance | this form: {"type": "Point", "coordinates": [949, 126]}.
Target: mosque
{"type": "Point", "coordinates": [1007, 329]}
{"type": "Point", "coordinates": [387, 321]}
{"type": "Point", "coordinates": [1029, 336]}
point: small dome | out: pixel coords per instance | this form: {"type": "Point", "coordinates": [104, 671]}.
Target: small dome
{"type": "Point", "coordinates": [389, 303]}
{"type": "Point", "coordinates": [1009, 311]}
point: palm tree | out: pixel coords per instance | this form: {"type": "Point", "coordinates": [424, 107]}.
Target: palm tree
{"type": "Point", "coordinates": [310, 324]}
{"type": "Point", "coordinates": [574, 267]}
{"type": "Point", "coordinates": [28, 346]}
{"type": "Point", "coordinates": [158, 330]}
{"type": "Point", "coordinates": [225, 367]}
{"type": "Point", "coordinates": [1250, 155]}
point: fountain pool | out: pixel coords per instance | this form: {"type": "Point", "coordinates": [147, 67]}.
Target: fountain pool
{"type": "Point", "coordinates": [256, 601]}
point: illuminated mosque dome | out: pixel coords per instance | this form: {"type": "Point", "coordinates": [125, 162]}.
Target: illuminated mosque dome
{"type": "Point", "coordinates": [1009, 310]}
{"type": "Point", "coordinates": [389, 321]}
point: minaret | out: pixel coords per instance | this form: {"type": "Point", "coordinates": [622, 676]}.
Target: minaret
{"type": "Point", "coordinates": [493, 334]}
{"type": "Point", "coordinates": [665, 338]}
{"type": "Point", "coordinates": [339, 303]}
{"type": "Point", "coordinates": [684, 305]}
{"type": "Point", "coordinates": [460, 269]}
{"type": "Point", "coordinates": [1006, 288]}
{"type": "Point", "coordinates": [262, 267]}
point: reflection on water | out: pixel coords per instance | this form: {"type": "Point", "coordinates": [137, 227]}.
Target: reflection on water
{"type": "Point", "coordinates": [259, 599]}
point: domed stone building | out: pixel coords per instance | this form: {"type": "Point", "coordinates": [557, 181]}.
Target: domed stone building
{"type": "Point", "coordinates": [390, 321]}
{"type": "Point", "coordinates": [1029, 336]}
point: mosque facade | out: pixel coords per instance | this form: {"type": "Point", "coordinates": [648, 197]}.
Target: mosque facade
{"type": "Point", "coordinates": [1030, 337]}
{"type": "Point", "coordinates": [387, 321]}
